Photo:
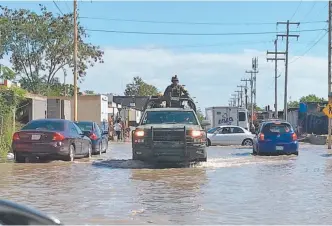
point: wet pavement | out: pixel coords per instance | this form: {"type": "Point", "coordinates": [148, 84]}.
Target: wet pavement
{"type": "Point", "coordinates": [232, 187]}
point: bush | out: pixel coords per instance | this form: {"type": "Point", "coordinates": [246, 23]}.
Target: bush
{"type": "Point", "coordinates": [9, 99]}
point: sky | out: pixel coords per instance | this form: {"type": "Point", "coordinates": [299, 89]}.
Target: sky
{"type": "Point", "coordinates": [211, 66]}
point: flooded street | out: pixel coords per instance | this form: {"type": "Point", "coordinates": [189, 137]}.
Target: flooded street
{"type": "Point", "coordinates": [233, 187]}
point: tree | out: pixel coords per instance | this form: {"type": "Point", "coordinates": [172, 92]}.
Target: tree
{"type": "Point", "coordinates": [40, 45]}
{"type": "Point", "coordinates": [6, 73]}
{"type": "Point", "coordinates": [139, 88]}
{"type": "Point", "coordinates": [200, 115]}
{"type": "Point", "coordinates": [293, 104]}
{"type": "Point", "coordinates": [312, 98]}
{"type": "Point", "coordinates": [89, 92]}
{"type": "Point", "coordinates": [308, 98]}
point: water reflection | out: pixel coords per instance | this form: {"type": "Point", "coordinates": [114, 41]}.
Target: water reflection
{"type": "Point", "coordinates": [172, 192]}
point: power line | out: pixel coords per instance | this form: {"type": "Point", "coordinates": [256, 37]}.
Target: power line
{"type": "Point", "coordinates": [209, 45]}
{"type": "Point", "coordinates": [314, 39]}
{"type": "Point", "coordinates": [195, 34]}
{"type": "Point", "coordinates": [310, 48]}
{"type": "Point", "coordinates": [312, 7]}
{"type": "Point", "coordinates": [67, 6]}
{"type": "Point", "coordinates": [298, 6]}
{"type": "Point", "coordinates": [57, 7]}
{"type": "Point", "coordinates": [190, 23]}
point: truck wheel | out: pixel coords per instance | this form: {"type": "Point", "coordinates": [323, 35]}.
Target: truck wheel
{"type": "Point", "coordinates": [135, 157]}
{"type": "Point", "coordinates": [203, 159]}
{"type": "Point", "coordinates": [208, 143]}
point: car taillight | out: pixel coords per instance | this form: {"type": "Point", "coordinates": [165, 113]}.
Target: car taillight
{"type": "Point", "coordinates": [294, 136]}
{"type": "Point", "coordinates": [58, 137]}
{"type": "Point", "coordinates": [261, 136]}
{"type": "Point", "coordinates": [139, 133]}
{"type": "Point", "coordinates": [93, 136]}
{"type": "Point", "coordinates": [196, 133]}
{"type": "Point", "coordinates": [16, 136]}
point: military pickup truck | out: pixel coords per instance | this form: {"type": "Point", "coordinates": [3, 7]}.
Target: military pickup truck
{"type": "Point", "coordinates": [170, 134]}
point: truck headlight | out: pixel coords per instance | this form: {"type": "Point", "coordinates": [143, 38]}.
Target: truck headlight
{"type": "Point", "coordinates": [196, 133]}
{"type": "Point", "coordinates": [139, 133]}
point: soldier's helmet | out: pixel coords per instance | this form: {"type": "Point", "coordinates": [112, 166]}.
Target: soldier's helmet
{"type": "Point", "coordinates": [175, 78]}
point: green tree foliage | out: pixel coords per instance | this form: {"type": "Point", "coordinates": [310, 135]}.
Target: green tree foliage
{"type": "Point", "coordinates": [312, 98]}
{"type": "Point", "coordinates": [7, 73]}
{"type": "Point", "coordinates": [41, 44]}
{"type": "Point", "coordinates": [308, 98]}
{"type": "Point", "coordinates": [293, 104]}
{"type": "Point", "coordinates": [200, 115]}
{"type": "Point", "coordinates": [9, 100]}
{"type": "Point", "coordinates": [89, 92]}
{"type": "Point", "coordinates": [140, 88]}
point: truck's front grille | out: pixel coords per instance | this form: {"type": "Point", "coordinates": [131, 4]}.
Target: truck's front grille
{"type": "Point", "coordinates": [168, 135]}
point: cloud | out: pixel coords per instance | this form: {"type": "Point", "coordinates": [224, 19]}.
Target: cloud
{"type": "Point", "coordinates": [210, 77]}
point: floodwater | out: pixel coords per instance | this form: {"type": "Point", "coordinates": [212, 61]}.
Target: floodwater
{"type": "Point", "coordinates": [232, 187]}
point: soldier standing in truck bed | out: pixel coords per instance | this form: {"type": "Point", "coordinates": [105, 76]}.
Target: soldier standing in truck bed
{"type": "Point", "coordinates": [175, 89]}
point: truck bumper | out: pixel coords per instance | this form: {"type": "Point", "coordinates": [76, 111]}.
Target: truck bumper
{"type": "Point", "coordinates": [170, 154]}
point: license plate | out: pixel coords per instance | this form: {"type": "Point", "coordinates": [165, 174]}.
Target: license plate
{"type": "Point", "coordinates": [175, 98]}
{"type": "Point", "coordinates": [35, 137]}
{"type": "Point", "coordinates": [279, 148]}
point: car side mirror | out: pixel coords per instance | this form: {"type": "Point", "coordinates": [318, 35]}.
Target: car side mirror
{"type": "Point", "coordinates": [15, 214]}
{"type": "Point", "coordinates": [205, 123]}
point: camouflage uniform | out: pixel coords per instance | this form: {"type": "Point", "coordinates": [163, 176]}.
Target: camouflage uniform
{"type": "Point", "coordinates": [175, 91]}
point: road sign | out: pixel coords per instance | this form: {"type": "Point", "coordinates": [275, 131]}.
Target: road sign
{"type": "Point", "coordinates": [328, 110]}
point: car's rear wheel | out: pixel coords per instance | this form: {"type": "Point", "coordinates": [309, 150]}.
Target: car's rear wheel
{"type": "Point", "coordinates": [106, 146]}
{"type": "Point", "coordinates": [100, 147]}
{"type": "Point", "coordinates": [247, 142]}
{"type": "Point", "coordinates": [18, 158]}
{"type": "Point", "coordinates": [71, 154]}
{"type": "Point", "coordinates": [90, 151]}
{"type": "Point", "coordinates": [253, 151]}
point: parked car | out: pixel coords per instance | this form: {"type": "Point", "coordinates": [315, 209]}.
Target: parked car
{"type": "Point", "coordinates": [99, 138]}
{"type": "Point", "coordinates": [229, 135]}
{"type": "Point", "coordinates": [50, 138]}
{"type": "Point", "coordinates": [276, 138]}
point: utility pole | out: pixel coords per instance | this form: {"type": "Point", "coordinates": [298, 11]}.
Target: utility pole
{"type": "Point", "coordinates": [239, 98]}
{"type": "Point", "coordinates": [275, 59]}
{"type": "Point", "coordinates": [287, 35]}
{"type": "Point", "coordinates": [75, 60]}
{"type": "Point", "coordinates": [234, 99]}
{"type": "Point", "coordinates": [241, 87]}
{"type": "Point", "coordinates": [329, 71]}
{"type": "Point", "coordinates": [254, 68]}
{"type": "Point", "coordinates": [246, 91]}
{"type": "Point", "coordinates": [251, 96]}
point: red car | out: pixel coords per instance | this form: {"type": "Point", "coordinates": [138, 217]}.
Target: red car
{"type": "Point", "coordinates": [51, 138]}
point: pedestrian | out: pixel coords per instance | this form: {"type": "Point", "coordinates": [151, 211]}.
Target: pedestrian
{"type": "Point", "coordinates": [118, 129]}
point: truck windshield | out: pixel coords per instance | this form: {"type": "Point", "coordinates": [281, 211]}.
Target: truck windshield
{"type": "Point", "coordinates": [169, 117]}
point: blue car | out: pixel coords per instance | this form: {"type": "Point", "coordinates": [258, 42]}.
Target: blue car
{"type": "Point", "coordinates": [98, 137]}
{"type": "Point", "coordinates": [276, 138]}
